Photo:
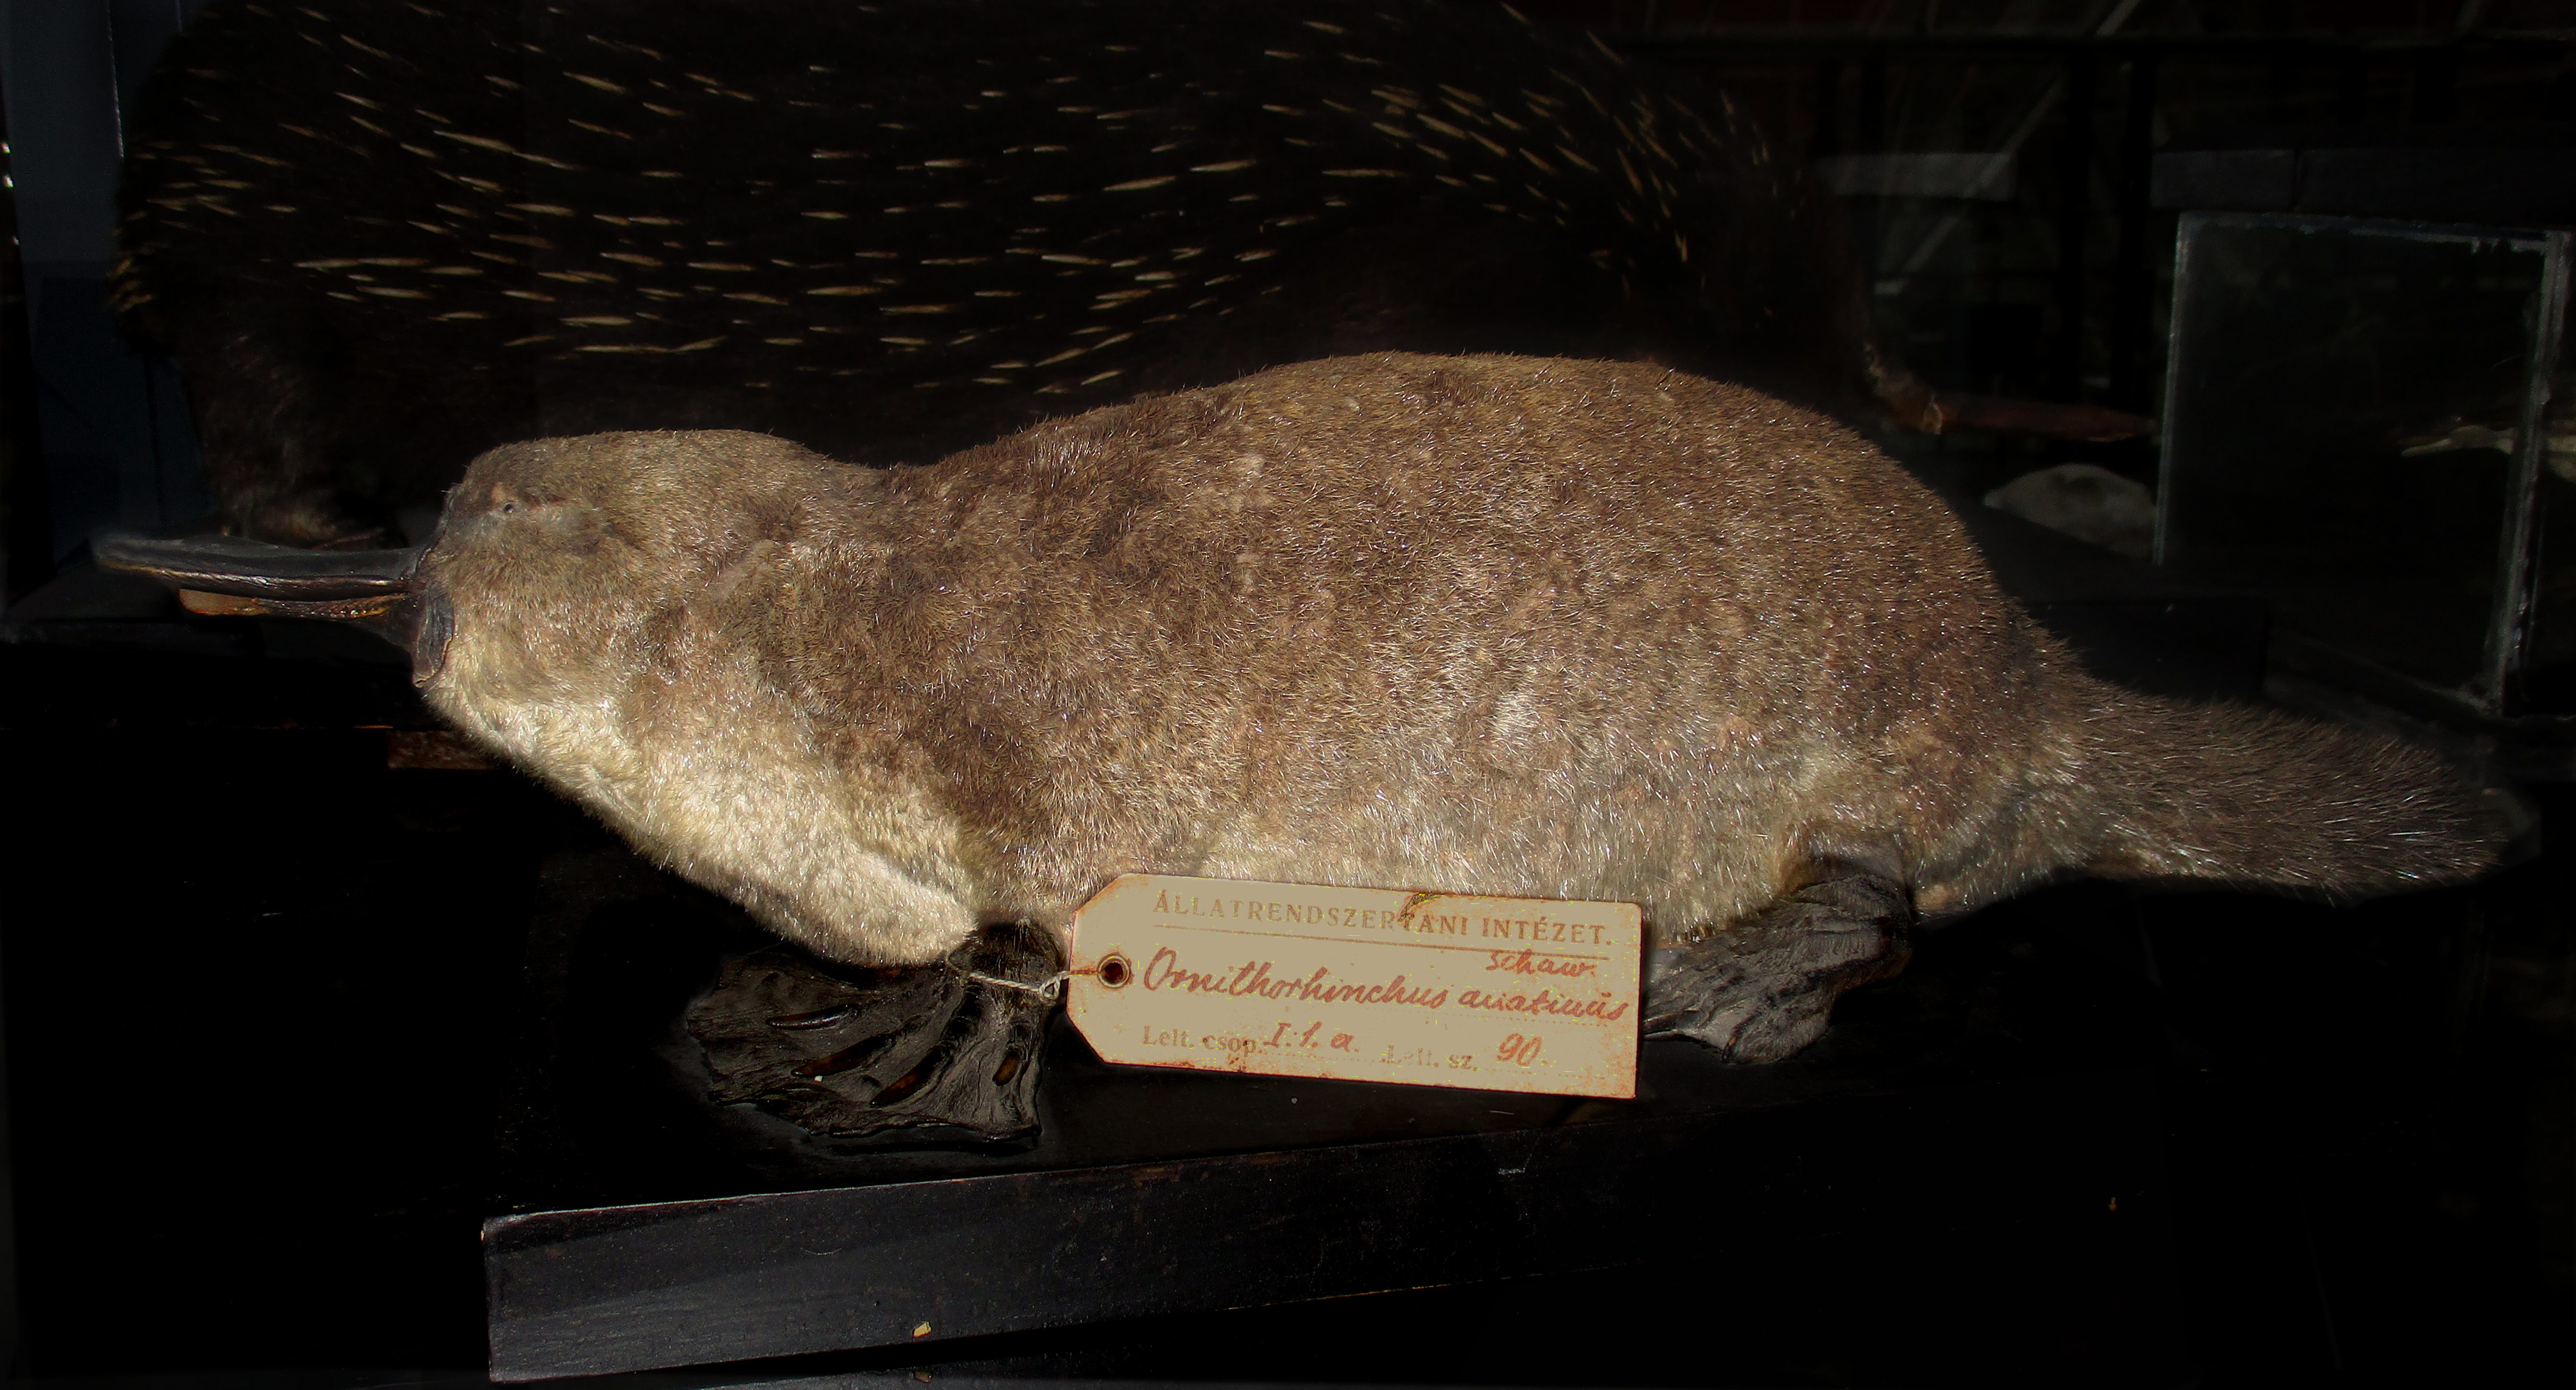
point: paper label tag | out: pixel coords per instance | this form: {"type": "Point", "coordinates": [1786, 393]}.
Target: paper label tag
{"type": "Point", "coordinates": [1364, 984]}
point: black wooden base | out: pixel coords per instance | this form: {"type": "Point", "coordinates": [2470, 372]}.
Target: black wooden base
{"type": "Point", "coordinates": [1687, 1197]}
{"type": "Point", "coordinates": [2004, 1081]}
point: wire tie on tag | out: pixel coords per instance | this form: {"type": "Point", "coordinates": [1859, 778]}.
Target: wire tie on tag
{"type": "Point", "coordinates": [1047, 988]}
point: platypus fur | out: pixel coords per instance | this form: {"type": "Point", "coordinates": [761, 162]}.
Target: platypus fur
{"type": "Point", "coordinates": [1474, 624]}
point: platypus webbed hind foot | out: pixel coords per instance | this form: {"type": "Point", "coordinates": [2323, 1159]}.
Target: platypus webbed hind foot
{"type": "Point", "coordinates": [1764, 990]}
{"type": "Point", "coordinates": [942, 1053]}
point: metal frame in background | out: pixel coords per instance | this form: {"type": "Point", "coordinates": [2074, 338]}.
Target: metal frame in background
{"type": "Point", "coordinates": [2434, 64]}
{"type": "Point", "coordinates": [2510, 616]}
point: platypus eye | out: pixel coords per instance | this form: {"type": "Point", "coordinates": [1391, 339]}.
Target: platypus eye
{"type": "Point", "coordinates": [508, 507]}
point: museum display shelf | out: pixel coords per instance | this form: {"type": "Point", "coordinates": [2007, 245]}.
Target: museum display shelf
{"type": "Point", "coordinates": [2005, 1077]}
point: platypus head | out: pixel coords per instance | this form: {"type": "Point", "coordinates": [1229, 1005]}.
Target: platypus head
{"type": "Point", "coordinates": [549, 551]}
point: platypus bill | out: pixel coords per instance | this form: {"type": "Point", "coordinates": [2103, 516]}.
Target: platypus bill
{"type": "Point", "coordinates": [1486, 625]}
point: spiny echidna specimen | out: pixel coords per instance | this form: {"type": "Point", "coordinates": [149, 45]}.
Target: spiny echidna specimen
{"type": "Point", "coordinates": [379, 238]}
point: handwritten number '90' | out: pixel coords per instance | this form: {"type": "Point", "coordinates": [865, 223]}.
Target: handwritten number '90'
{"type": "Point", "coordinates": [1519, 1049]}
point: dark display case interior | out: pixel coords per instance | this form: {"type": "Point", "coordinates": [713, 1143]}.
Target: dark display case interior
{"type": "Point", "coordinates": [339, 1056]}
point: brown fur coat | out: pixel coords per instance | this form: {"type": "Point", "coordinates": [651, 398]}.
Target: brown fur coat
{"type": "Point", "coordinates": [1488, 624]}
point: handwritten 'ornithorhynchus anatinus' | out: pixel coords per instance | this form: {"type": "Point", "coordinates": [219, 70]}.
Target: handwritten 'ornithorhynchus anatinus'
{"type": "Point", "coordinates": [1483, 624]}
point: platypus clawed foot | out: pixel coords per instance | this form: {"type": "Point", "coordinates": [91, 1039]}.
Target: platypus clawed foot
{"type": "Point", "coordinates": [927, 1054]}
{"type": "Point", "coordinates": [1762, 991]}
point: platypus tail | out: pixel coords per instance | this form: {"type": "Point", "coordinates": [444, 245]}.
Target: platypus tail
{"type": "Point", "coordinates": [2234, 794]}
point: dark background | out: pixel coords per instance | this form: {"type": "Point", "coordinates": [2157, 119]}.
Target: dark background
{"type": "Point", "coordinates": [263, 969]}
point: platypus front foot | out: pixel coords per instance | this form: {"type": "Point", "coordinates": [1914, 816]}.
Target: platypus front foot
{"type": "Point", "coordinates": [926, 1054]}
{"type": "Point", "coordinates": [1762, 991]}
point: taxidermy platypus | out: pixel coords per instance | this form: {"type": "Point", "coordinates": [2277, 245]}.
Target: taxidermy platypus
{"type": "Point", "coordinates": [1485, 624]}
{"type": "Point", "coordinates": [379, 239]}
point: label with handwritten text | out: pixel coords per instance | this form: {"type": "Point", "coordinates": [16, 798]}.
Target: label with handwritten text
{"type": "Point", "coordinates": [1366, 984]}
